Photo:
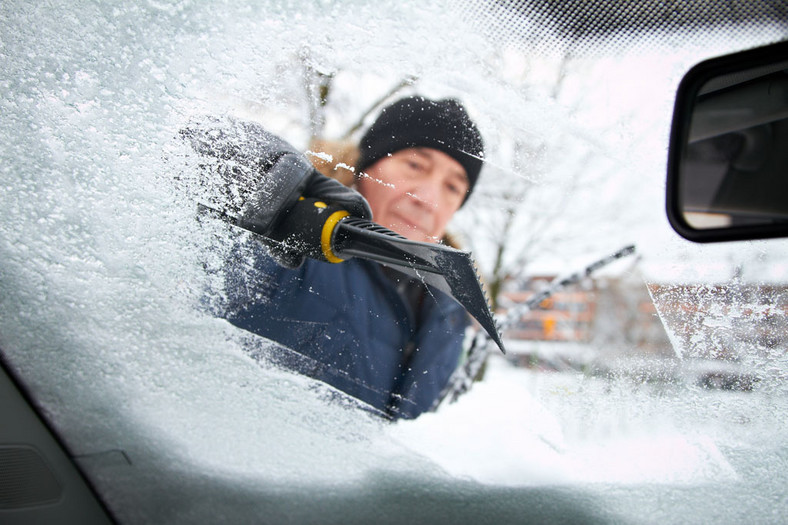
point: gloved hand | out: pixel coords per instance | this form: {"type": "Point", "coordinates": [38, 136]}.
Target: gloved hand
{"type": "Point", "coordinates": [291, 177]}
{"type": "Point", "coordinates": [256, 177]}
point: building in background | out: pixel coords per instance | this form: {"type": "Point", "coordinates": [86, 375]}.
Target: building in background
{"type": "Point", "coordinates": [623, 326]}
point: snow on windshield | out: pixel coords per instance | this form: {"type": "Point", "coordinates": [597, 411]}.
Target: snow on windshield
{"type": "Point", "coordinates": [105, 269]}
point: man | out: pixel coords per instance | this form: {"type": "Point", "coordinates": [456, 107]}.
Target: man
{"type": "Point", "coordinates": [418, 163]}
{"type": "Point", "coordinates": [366, 329]}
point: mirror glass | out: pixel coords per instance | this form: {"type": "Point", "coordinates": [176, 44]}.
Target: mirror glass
{"type": "Point", "coordinates": [733, 169]}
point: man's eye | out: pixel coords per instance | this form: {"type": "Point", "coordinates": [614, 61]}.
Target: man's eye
{"type": "Point", "coordinates": [415, 165]}
{"type": "Point", "coordinates": [455, 189]}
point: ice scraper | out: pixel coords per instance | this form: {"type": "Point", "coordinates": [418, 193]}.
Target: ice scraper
{"type": "Point", "coordinates": [329, 233]}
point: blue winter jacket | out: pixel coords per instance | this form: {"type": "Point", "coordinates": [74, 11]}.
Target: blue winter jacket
{"type": "Point", "coordinates": [353, 327]}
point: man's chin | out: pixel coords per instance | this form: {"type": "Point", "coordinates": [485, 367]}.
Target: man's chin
{"type": "Point", "coordinates": [409, 232]}
{"type": "Point", "coordinates": [420, 236]}
{"type": "Point", "coordinates": [412, 232]}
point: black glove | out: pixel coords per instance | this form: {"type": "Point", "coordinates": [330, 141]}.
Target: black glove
{"type": "Point", "coordinates": [256, 177]}
{"type": "Point", "coordinates": [292, 177]}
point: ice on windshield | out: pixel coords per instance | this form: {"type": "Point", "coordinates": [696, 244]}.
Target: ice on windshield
{"type": "Point", "coordinates": [105, 267]}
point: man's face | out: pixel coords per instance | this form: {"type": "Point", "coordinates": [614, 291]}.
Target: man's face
{"type": "Point", "coordinates": [415, 192]}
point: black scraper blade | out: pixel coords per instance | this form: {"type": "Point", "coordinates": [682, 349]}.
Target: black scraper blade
{"type": "Point", "coordinates": [447, 269]}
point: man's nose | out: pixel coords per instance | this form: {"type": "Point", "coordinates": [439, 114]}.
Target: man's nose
{"type": "Point", "coordinates": [427, 193]}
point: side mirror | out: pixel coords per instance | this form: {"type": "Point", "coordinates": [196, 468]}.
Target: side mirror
{"type": "Point", "coordinates": [728, 156]}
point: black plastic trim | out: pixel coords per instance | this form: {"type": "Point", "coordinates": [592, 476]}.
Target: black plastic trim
{"type": "Point", "coordinates": [49, 434]}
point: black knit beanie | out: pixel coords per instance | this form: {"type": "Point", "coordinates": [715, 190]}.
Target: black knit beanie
{"type": "Point", "coordinates": [417, 121]}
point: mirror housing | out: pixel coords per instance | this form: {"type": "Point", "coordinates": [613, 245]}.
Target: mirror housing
{"type": "Point", "coordinates": [728, 156]}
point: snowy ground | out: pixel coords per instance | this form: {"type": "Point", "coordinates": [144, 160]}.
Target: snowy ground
{"type": "Point", "coordinates": [519, 427]}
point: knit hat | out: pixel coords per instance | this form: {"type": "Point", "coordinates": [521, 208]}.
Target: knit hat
{"type": "Point", "coordinates": [417, 121]}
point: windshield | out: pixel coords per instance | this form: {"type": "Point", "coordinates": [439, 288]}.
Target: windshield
{"type": "Point", "coordinates": [651, 390]}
